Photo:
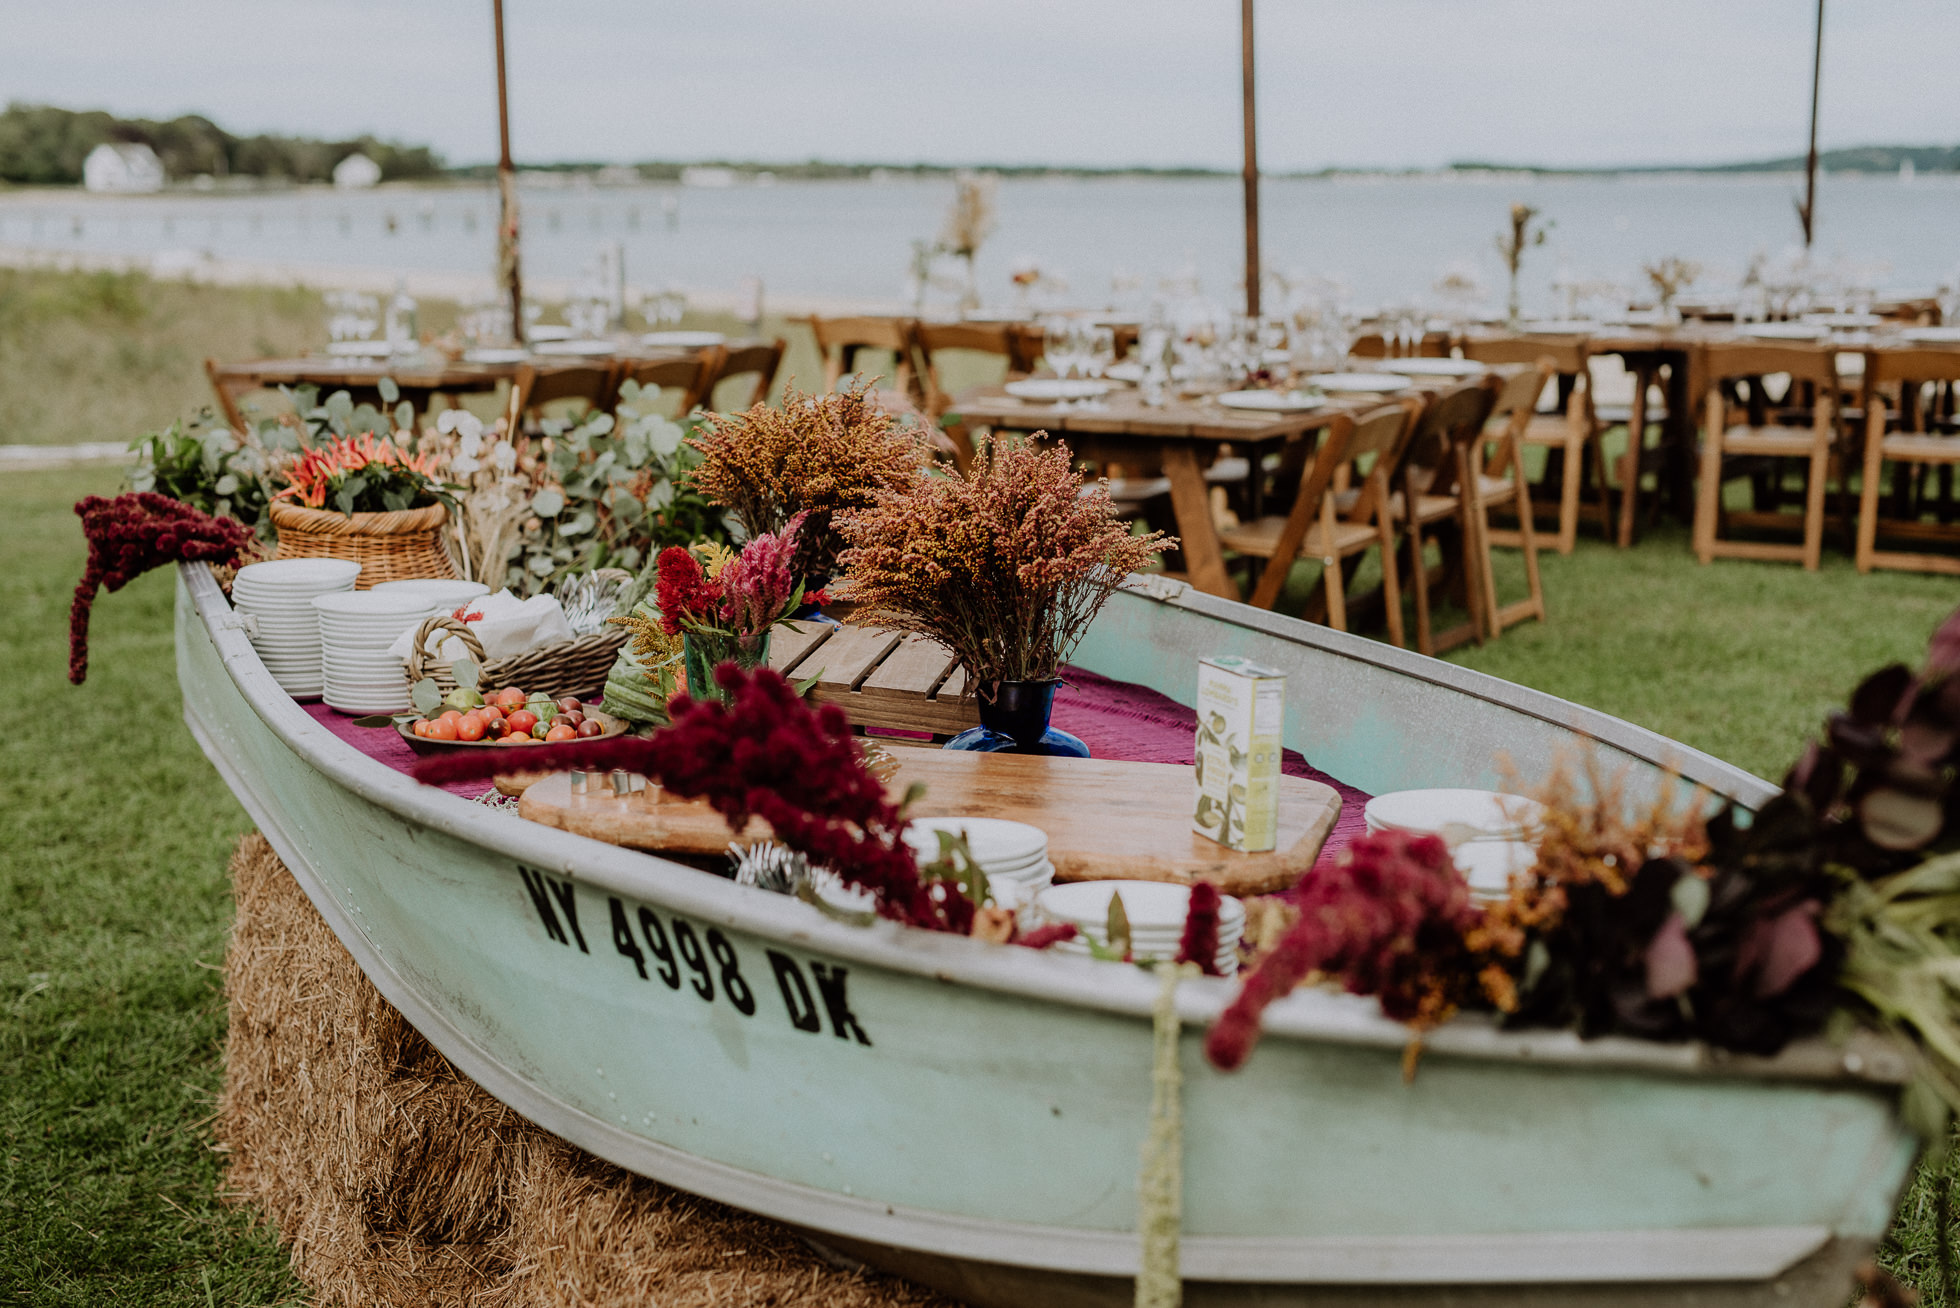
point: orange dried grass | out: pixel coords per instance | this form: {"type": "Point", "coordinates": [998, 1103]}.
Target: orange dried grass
{"type": "Point", "coordinates": [394, 1179]}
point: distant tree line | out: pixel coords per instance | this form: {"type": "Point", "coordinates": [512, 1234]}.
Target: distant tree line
{"type": "Point", "coordinates": [42, 145]}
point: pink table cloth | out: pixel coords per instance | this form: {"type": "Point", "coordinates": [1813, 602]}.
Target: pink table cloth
{"type": "Point", "coordinates": [1114, 718]}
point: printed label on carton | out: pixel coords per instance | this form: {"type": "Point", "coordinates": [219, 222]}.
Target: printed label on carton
{"type": "Point", "coordinates": [1241, 713]}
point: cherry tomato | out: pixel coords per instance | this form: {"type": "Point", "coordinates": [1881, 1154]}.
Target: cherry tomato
{"type": "Point", "coordinates": [490, 713]}
{"type": "Point", "coordinates": [538, 730]}
{"type": "Point", "coordinates": [574, 718]}
{"type": "Point", "coordinates": [522, 721]}
{"type": "Point", "coordinates": [510, 697]}
{"type": "Point", "coordinates": [590, 728]}
{"type": "Point", "coordinates": [444, 727]}
{"type": "Point", "coordinates": [511, 740]}
{"type": "Point", "coordinates": [452, 715]}
{"type": "Point", "coordinates": [571, 704]}
{"type": "Point", "coordinates": [470, 728]}
{"type": "Point", "coordinates": [563, 720]}
{"type": "Point", "coordinates": [421, 727]}
{"type": "Point", "coordinates": [556, 734]}
{"type": "Point", "coordinates": [495, 728]}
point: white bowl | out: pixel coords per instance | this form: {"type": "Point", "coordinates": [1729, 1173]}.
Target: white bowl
{"type": "Point", "coordinates": [1151, 906]}
{"type": "Point", "coordinates": [995, 842]}
{"type": "Point", "coordinates": [298, 573]}
{"type": "Point", "coordinates": [1469, 814]}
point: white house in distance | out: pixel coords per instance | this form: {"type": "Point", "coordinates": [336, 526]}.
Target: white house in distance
{"type": "Point", "coordinates": [122, 166]}
{"type": "Point", "coordinates": [356, 172]}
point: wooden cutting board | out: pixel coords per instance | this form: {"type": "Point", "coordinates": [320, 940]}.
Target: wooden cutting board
{"type": "Point", "coordinates": [1105, 818]}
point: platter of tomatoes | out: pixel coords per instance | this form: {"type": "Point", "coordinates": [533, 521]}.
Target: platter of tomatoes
{"type": "Point", "coordinates": [506, 718]}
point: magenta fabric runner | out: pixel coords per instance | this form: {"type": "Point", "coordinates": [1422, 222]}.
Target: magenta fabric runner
{"type": "Point", "coordinates": [1114, 718]}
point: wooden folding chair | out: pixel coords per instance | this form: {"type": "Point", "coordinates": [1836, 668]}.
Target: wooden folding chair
{"type": "Point", "coordinates": [1437, 481]}
{"type": "Point", "coordinates": [692, 376]}
{"type": "Point", "coordinates": [1502, 482]}
{"type": "Point", "coordinates": [1573, 434]}
{"type": "Point", "coordinates": [1756, 438]}
{"type": "Point", "coordinates": [762, 360]}
{"type": "Point", "coordinates": [533, 388]}
{"type": "Point", "coordinates": [1316, 527]}
{"type": "Point", "coordinates": [930, 339]}
{"type": "Point", "coordinates": [841, 340]}
{"type": "Point", "coordinates": [1925, 380]}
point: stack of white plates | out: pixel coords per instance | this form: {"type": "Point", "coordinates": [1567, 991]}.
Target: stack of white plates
{"type": "Point", "coordinates": [1488, 865]}
{"type": "Point", "coordinates": [1014, 855]}
{"type": "Point", "coordinates": [1156, 910]}
{"type": "Point", "coordinates": [278, 597]}
{"type": "Point", "coordinates": [355, 631]}
{"type": "Point", "coordinates": [444, 593]}
{"type": "Point", "coordinates": [1458, 816]}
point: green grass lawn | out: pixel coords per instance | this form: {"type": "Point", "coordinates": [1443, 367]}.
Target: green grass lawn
{"type": "Point", "coordinates": [113, 904]}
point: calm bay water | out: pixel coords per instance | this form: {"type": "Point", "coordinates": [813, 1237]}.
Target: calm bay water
{"type": "Point", "coordinates": [1386, 238]}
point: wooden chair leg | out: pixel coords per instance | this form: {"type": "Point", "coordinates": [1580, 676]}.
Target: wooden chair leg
{"type": "Point", "coordinates": [1529, 537]}
{"type": "Point", "coordinates": [1868, 495]}
{"type": "Point", "coordinates": [1813, 509]}
{"type": "Point", "coordinates": [1336, 587]}
{"type": "Point", "coordinates": [1568, 497]}
{"type": "Point", "coordinates": [1479, 588]}
{"type": "Point", "coordinates": [1708, 495]}
{"type": "Point", "coordinates": [1420, 565]}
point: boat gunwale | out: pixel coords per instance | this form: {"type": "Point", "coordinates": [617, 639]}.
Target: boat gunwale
{"type": "Point", "coordinates": [1309, 1014]}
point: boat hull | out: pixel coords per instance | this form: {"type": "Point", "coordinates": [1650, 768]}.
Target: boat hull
{"type": "Point", "coordinates": [971, 1116]}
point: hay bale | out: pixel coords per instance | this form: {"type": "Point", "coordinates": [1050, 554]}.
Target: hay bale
{"type": "Point", "coordinates": [394, 1179]}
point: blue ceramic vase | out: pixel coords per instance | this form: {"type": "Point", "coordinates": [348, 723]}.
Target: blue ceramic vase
{"type": "Point", "coordinates": [1014, 720]}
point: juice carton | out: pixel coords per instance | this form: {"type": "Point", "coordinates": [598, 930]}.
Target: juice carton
{"type": "Point", "coordinates": [1241, 706]}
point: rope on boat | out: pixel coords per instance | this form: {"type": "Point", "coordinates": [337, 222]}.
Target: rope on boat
{"type": "Point", "coordinates": [1160, 1182]}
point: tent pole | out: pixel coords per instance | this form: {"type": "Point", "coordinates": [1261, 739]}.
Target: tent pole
{"type": "Point", "coordinates": [1251, 166]}
{"type": "Point", "coordinates": [507, 268]}
{"type": "Point", "coordinates": [1809, 211]}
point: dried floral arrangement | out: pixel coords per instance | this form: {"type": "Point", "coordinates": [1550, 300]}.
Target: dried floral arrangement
{"type": "Point", "coordinates": [131, 534]}
{"type": "Point", "coordinates": [1839, 902]}
{"type": "Point", "coordinates": [1525, 232]}
{"type": "Point", "coordinates": [717, 604]}
{"type": "Point", "coordinates": [1669, 277]}
{"type": "Point", "coordinates": [1007, 566]}
{"type": "Point", "coordinates": [821, 455]}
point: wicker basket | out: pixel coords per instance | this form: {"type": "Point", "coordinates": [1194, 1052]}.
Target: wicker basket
{"type": "Point", "coordinates": [388, 546]}
{"type": "Point", "coordinates": [570, 667]}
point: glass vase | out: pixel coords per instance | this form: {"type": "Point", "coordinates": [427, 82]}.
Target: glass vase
{"type": "Point", "coordinates": [701, 655]}
{"type": "Point", "coordinates": [1014, 720]}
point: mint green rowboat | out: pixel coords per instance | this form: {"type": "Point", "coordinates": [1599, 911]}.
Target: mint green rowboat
{"type": "Point", "coordinates": [971, 1115]}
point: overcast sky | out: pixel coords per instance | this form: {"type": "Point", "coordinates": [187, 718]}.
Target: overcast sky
{"type": "Point", "coordinates": [1393, 83]}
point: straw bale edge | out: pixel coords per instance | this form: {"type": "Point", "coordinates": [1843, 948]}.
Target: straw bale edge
{"type": "Point", "coordinates": [393, 1179]}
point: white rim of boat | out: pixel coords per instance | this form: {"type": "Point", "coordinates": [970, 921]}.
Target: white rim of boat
{"type": "Point", "coordinates": [1710, 1254]}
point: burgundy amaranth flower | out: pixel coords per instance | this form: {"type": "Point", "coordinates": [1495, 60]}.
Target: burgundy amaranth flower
{"type": "Point", "coordinates": [1200, 942]}
{"type": "Point", "coordinates": [131, 534]}
{"type": "Point", "coordinates": [1049, 933]}
{"type": "Point", "coordinates": [1387, 918]}
{"type": "Point", "coordinates": [766, 754]}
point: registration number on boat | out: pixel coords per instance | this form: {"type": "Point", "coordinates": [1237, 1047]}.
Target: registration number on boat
{"type": "Point", "coordinates": [676, 953]}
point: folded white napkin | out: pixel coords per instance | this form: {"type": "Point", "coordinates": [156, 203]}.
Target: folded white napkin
{"type": "Point", "coordinates": [509, 627]}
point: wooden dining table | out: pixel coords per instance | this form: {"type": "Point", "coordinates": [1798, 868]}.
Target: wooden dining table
{"type": "Point", "coordinates": [1180, 437]}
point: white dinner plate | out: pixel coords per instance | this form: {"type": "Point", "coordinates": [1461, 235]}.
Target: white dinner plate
{"type": "Point", "coordinates": [365, 349]}
{"type": "Point", "coordinates": [582, 348]}
{"type": "Point", "coordinates": [682, 340]}
{"type": "Point", "coordinates": [1125, 372]}
{"type": "Point", "coordinates": [1560, 327]}
{"type": "Point", "coordinates": [1435, 367]}
{"type": "Point", "coordinates": [1276, 401]}
{"type": "Point", "coordinates": [1931, 335]}
{"type": "Point", "coordinates": [1455, 813]}
{"type": "Point", "coordinates": [1784, 331]}
{"type": "Point", "coordinates": [1844, 321]}
{"type": "Point", "coordinates": [495, 354]}
{"type": "Point", "coordinates": [1058, 388]}
{"type": "Point", "coordinates": [548, 331]}
{"type": "Point", "coordinates": [1360, 383]}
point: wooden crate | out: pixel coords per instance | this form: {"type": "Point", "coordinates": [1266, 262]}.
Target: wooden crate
{"type": "Point", "coordinates": [881, 678]}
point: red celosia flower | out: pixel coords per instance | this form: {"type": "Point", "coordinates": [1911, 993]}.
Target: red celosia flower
{"type": "Point", "coordinates": [682, 590]}
{"type": "Point", "coordinates": [817, 598]}
{"type": "Point", "coordinates": [757, 584]}
{"type": "Point", "coordinates": [129, 535]}
{"type": "Point", "coordinates": [1387, 918]}
{"type": "Point", "coordinates": [317, 469]}
{"type": "Point", "coordinates": [1052, 933]}
{"type": "Point", "coordinates": [1200, 943]}
{"type": "Point", "coordinates": [767, 754]}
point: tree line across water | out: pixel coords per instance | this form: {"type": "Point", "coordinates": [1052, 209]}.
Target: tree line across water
{"type": "Point", "coordinates": [42, 145]}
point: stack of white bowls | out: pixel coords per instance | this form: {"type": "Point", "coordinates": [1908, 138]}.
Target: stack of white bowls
{"type": "Point", "coordinates": [1156, 911]}
{"type": "Point", "coordinates": [1490, 834]}
{"type": "Point", "coordinates": [356, 630]}
{"type": "Point", "coordinates": [1013, 855]}
{"type": "Point", "coordinates": [278, 597]}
